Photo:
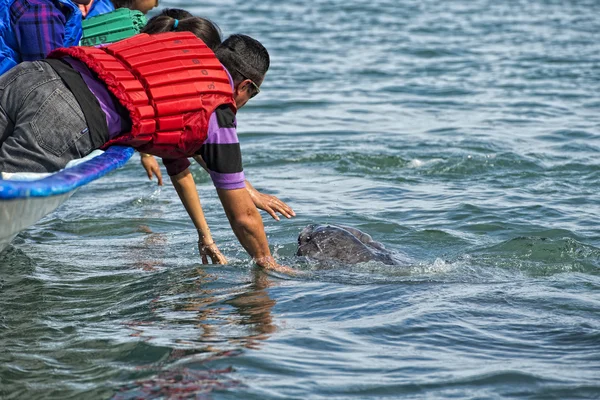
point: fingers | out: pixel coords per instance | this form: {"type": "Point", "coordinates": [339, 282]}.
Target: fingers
{"type": "Point", "coordinates": [211, 251]}
{"type": "Point", "coordinates": [151, 166]}
{"type": "Point", "coordinates": [270, 264]}
{"type": "Point", "coordinates": [158, 175]}
{"type": "Point", "coordinates": [285, 209]}
{"type": "Point", "coordinates": [270, 211]}
{"type": "Point", "coordinates": [272, 205]}
{"type": "Point", "coordinates": [285, 270]}
{"type": "Point", "coordinates": [282, 208]}
{"type": "Point", "coordinates": [203, 252]}
{"type": "Point", "coordinates": [218, 258]}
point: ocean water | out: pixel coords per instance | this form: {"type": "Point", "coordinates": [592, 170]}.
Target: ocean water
{"type": "Point", "coordinates": [464, 135]}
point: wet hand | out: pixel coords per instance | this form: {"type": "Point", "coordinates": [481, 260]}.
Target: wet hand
{"type": "Point", "coordinates": [151, 166]}
{"type": "Point", "coordinates": [211, 250]}
{"type": "Point", "coordinates": [270, 264]}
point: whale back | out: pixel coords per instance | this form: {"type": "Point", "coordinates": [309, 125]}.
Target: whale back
{"type": "Point", "coordinates": [340, 243]}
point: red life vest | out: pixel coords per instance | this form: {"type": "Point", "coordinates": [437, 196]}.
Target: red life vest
{"type": "Point", "coordinates": [170, 83]}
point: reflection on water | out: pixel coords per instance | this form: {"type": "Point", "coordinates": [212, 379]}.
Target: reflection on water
{"type": "Point", "coordinates": [221, 320]}
{"type": "Point", "coordinates": [254, 307]}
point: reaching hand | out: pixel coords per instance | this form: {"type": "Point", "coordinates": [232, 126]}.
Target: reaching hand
{"type": "Point", "coordinates": [151, 166]}
{"type": "Point", "coordinates": [269, 263]}
{"type": "Point", "coordinates": [270, 204]}
{"type": "Point", "coordinates": [211, 250]}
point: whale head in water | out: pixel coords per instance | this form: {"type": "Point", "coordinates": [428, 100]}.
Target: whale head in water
{"type": "Point", "coordinates": [341, 243]}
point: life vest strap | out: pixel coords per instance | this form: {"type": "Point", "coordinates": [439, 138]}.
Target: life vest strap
{"type": "Point", "coordinates": [94, 117]}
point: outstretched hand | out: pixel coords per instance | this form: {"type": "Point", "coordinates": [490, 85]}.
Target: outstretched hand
{"type": "Point", "coordinates": [211, 250]}
{"type": "Point", "coordinates": [151, 166]}
{"type": "Point", "coordinates": [269, 263]}
{"type": "Point", "coordinates": [269, 203]}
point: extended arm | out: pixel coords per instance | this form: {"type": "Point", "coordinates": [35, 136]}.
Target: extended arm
{"type": "Point", "coordinates": [248, 227]}
{"type": "Point", "coordinates": [221, 155]}
{"type": "Point", "coordinates": [186, 189]}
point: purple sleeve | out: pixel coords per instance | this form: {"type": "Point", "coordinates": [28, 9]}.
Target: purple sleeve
{"type": "Point", "coordinates": [228, 181]}
{"type": "Point", "coordinates": [221, 151]}
{"type": "Point", "coordinates": [39, 29]}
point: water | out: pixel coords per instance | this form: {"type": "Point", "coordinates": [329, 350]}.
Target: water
{"type": "Point", "coordinates": [463, 134]}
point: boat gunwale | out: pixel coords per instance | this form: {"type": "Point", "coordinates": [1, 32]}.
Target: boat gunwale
{"type": "Point", "coordinates": [68, 179]}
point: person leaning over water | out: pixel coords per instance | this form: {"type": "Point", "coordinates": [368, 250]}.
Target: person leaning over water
{"type": "Point", "coordinates": [173, 19]}
{"type": "Point", "coordinates": [30, 29]}
{"type": "Point", "coordinates": [192, 111]}
{"type": "Point", "coordinates": [122, 25]}
{"type": "Point", "coordinates": [180, 20]}
{"type": "Point", "coordinates": [209, 33]}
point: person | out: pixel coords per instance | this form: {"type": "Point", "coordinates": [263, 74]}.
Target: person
{"type": "Point", "coordinates": [31, 29]}
{"type": "Point", "coordinates": [180, 20]}
{"type": "Point", "coordinates": [91, 98]}
{"type": "Point", "coordinates": [175, 13]}
{"type": "Point", "coordinates": [99, 7]}
{"type": "Point", "coordinates": [177, 20]}
{"type": "Point", "coordinates": [165, 22]}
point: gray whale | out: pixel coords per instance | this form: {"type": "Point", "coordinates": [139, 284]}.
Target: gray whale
{"type": "Point", "coordinates": [341, 243]}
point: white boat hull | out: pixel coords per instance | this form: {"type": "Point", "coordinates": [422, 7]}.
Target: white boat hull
{"type": "Point", "coordinates": [25, 202]}
{"type": "Point", "coordinates": [19, 214]}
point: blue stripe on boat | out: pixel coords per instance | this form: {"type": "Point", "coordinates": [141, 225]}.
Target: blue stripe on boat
{"type": "Point", "coordinates": [68, 179]}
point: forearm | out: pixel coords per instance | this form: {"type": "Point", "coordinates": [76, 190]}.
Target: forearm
{"type": "Point", "coordinates": [246, 223]}
{"type": "Point", "coordinates": [186, 189]}
{"type": "Point", "coordinates": [252, 192]}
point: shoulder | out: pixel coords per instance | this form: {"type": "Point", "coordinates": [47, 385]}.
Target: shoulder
{"type": "Point", "coordinates": [225, 116]}
{"type": "Point", "coordinates": [37, 8]}
{"type": "Point", "coordinates": [18, 8]}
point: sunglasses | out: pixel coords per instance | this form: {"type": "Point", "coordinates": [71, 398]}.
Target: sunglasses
{"type": "Point", "coordinates": [256, 88]}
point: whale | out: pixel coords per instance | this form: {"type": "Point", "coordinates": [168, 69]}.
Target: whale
{"type": "Point", "coordinates": [344, 244]}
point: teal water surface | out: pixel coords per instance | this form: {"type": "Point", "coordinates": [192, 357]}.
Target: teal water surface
{"type": "Point", "coordinates": [463, 135]}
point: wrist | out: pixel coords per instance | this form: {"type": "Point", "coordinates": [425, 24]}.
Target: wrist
{"type": "Point", "coordinates": [266, 262]}
{"type": "Point", "coordinates": [205, 239]}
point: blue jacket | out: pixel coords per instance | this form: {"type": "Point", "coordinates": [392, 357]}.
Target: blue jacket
{"type": "Point", "coordinates": [9, 49]}
{"type": "Point", "coordinates": [100, 7]}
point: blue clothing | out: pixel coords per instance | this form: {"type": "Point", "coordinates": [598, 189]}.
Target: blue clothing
{"type": "Point", "coordinates": [100, 7]}
{"type": "Point", "coordinates": [30, 29]}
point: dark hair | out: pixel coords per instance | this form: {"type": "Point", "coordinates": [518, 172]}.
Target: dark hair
{"type": "Point", "coordinates": [204, 29]}
{"type": "Point", "coordinates": [244, 58]}
{"type": "Point", "coordinates": [176, 13]}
